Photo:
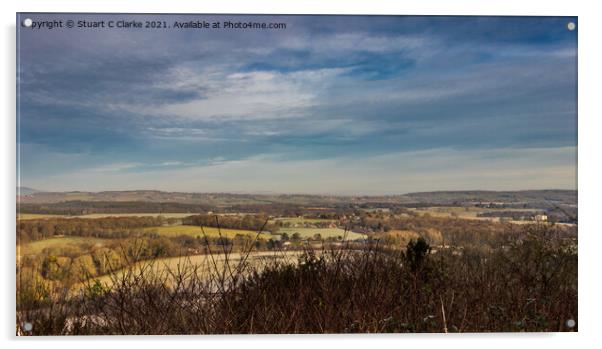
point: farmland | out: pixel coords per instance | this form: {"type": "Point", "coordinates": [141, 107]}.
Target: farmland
{"type": "Point", "coordinates": [301, 220]}
{"type": "Point", "coordinates": [25, 216]}
{"type": "Point", "coordinates": [115, 254]}
{"type": "Point", "coordinates": [60, 242]}
{"type": "Point", "coordinates": [195, 231]}
{"type": "Point", "coordinates": [206, 266]}
{"type": "Point", "coordinates": [466, 212]}
{"type": "Point", "coordinates": [324, 233]}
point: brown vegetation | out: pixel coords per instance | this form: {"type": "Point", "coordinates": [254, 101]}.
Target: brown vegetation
{"type": "Point", "coordinates": [528, 283]}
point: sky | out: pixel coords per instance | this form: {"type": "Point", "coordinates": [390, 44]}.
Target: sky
{"type": "Point", "coordinates": [343, 105]}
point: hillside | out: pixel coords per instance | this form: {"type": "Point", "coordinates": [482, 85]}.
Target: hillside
{"type": "Point", "coordinates": [26, 191]}
{"type": "Point", "coordinates": [225, 199]}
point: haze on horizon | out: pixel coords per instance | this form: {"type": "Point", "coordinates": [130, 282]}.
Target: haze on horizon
{"type": "Point", "coordinates": [331, 105]}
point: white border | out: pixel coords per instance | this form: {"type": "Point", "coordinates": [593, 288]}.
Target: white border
{"type": "Point", "coordinates": [590, 133]}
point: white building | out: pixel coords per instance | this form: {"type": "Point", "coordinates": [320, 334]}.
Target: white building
{"type": "Point", "coordinates": [541, 218]}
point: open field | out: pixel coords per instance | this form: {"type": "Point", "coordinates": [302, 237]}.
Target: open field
{"type": "Point", "coordinates": [464, 212]}
{"type": "Point", "coordinates": [142, 271]}
{"type": "Point", "coordinates": [325, 233]}
{"type": "Point", "coordinates": [26, 216]}
{"type": "Point", "coordinates": [203, 264]}
{"type": "Point", "coordinates": [164, 215]}
{"type": "Point", "coordinates": [194, 231]}
{"type": "Point", "coordinates": [36, 247]}
{"type": "Point", "coordinates": [301, 220]}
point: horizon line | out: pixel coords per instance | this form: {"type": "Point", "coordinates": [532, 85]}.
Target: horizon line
{"type": "Point", "coordinates": [266, 193]}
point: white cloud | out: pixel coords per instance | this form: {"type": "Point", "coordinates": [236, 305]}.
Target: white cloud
{"type": "Point", "coordinates": [115, 167]}
{"type": "Point", "coordinates": [251, 95]}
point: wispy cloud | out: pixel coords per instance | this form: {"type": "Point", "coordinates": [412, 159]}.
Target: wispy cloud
{"type": "Point", "coordinates": [395, 173]}
{"type": "Point", "coordinates": [282, 106]}
{"type": "Point", "coordinates": [116, 167]}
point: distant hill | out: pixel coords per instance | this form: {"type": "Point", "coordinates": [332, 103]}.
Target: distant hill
{"type": "Point", "coordinates": [529, 197]}
{"type": "Point", "coordinates": [27, 191]}
{"type": "Point", "coordinates": [484, 196]}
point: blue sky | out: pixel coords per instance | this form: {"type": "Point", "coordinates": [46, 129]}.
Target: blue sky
{"type": "Point", "coordinates": [331, 104]}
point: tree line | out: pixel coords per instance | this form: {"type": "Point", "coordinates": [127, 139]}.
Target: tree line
{"type": "Point", "coordinates": [107, 227]}
{"type": "Point", "coordinates": [244, 222]}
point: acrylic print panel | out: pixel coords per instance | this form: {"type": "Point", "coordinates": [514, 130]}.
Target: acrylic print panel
{"type": "Point", "coordinates": [229, 174]}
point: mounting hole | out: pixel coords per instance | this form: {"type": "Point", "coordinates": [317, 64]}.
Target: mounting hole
{"type": "Point", "coordinates": [571, 26]}
{"type": "Point", "coordinates": [27, 22]}
{"type": "Point", "coordinates": [27, 326]}
{"type": "Point", "coordinates": [570, 323]}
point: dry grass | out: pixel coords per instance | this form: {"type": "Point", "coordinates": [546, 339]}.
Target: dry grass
{"type": "Point", "coordinates": [194, 231]}
{"type": "Point", "coordinates": [36, 247]}
{"type": "Point", "coordinates": [529, 285]}
{"type": "Point", "coordinates": [204, 265]}
{"type": "Point", "coordinates": [465, 212]}
{"type": "Point", "coordinates": [325, 233]}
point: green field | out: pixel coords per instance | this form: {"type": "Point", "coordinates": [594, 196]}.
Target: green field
{"type": "Point", "coordinates": [194, 231]}
{"type": "Point", "coordinates": [301, 220]}
{"type": "Point", "coordinates": [325, 233]}
{"type": "Point", "coordinates": [36, 247]}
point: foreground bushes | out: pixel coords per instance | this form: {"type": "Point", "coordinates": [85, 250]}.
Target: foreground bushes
{"type": "Point", "coordinates": [529, 284]}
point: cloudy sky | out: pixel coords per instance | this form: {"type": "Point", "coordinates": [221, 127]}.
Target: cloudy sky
{"type": "Point", "coordinates": [339, 105]}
